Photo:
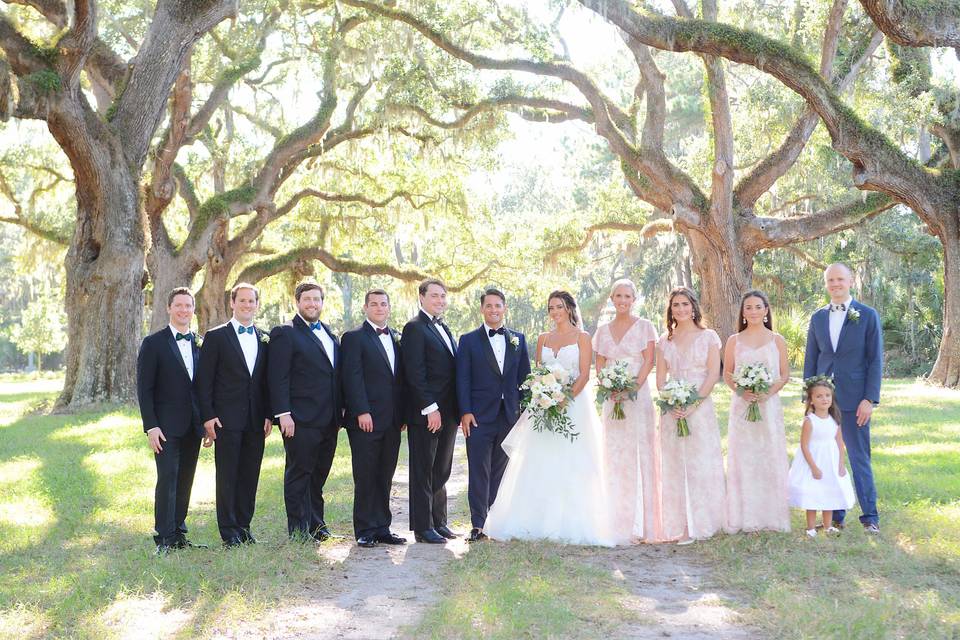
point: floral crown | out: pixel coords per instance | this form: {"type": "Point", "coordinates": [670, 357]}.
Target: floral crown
{"type": "Point", "coordinates": [813, 381]}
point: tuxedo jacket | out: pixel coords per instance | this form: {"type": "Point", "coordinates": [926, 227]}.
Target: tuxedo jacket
{"type": "Point", "coordinates": [857, 363]}
{"type": "Point", "coordinates": [481, 385]}
{"type": "Point", "coordinates": [430, 370]}
{"type": "Point", "coordinates": [303, 381]}
{"type": "Point", "coordinates": [225, 387]}
{"type": "Point", "coordinates": [164, 389]}
{"type": "Point", "coordinates": [369, 384]}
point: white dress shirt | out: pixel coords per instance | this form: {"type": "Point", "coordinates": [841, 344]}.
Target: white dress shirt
{"type": "Point", "coordinates": [836, 321]}
{"type": "Point", "coordinates": [248, 343]}
{"type": "Point", "coordinates": [186, 350]}
{"type": "Point", "coordinates": [387, 341]}
{"type": "Point", "coordinates": [325, 340]}
{"type": "Point", "coordinates": [441, 331]}
{"type": "Point", "coordinates": [498, 343]}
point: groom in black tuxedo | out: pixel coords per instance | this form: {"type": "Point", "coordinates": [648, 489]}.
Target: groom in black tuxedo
{"type": "Point", "coordinates": [232, 393]}
{"type": "Point", "coordinates": [429, 365]}
{"type": "Point", "coordinates": [171, 419]}
{"type": "Point", "coordinates": [373, 392]}
{"type": "Point", "coordinates": [305, 392]}
{"type": "Point", "coordinates": [492, 363]}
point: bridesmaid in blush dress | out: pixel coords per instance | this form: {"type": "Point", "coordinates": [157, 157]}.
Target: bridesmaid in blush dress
{"type": "Point", "coordinates": [631, 450]}
{"type": "Point", "coordinates": [756, 451]}
{"type": "Point", "coordinates": [691, 467]}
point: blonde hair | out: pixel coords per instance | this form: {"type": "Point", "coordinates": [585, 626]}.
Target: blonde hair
{"type": "Point", "coordinates": [625, 282]}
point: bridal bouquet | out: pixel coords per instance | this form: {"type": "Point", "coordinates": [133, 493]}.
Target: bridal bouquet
{"type": "Point", "coordinates": [616, 379]}
{"type": "Point", "coordinates": [550, 389]}
{"type": "Point", "coordinates": [754, 377]}
{"type": "Point", "coordinates": [678, 394]}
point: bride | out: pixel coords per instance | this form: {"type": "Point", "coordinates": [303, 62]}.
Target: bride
{"type": "Point", "coordinates": [553, 488]}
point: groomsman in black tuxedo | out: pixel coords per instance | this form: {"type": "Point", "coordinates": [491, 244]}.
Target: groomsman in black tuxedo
{"type": "Point", "coordinates": [305, 394]}
{"type": "Point", "coordinates": [234, 405]}
{"type": "Point", "coordinates": [171, 419]}
{"type": "Point", "coordinates": [429, 365]}
{"type": "Point", "coordinates": [373, 390]}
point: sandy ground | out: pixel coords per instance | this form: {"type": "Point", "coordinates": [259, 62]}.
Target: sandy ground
{"type": "Point", "coordinates": [387, 589]}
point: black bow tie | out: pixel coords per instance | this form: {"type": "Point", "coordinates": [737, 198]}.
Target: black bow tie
{"type": "Point", "coordinates": [493, 332]}
{"type": "Point", "coordinates": [185, 336]}
{"type": "Point", "coordinates": [838, 307]}
{"type": "Point", "coordinates": [382, 332]}
{"type": "Point", "coordinates": [438, 320]}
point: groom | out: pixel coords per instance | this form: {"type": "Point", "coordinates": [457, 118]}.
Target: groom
{"type": "Point", "coordinates": [845, 340]}
{"type": "Point", "coordinates": [492, 363]}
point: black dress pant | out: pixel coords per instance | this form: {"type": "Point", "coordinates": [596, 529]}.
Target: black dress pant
{"type": "Point", "coordinates": [309, 456]}
{"type": "Point", "coordinates": [486, 462]}
{"type": "Point", "coordinates": [431, 459]}
{"type": "Point", "coordinates": [374, 455]}
{"type": "Point", "coordinates": [238, 455]}
{"type": "Point", "coordinates": [176, 466]}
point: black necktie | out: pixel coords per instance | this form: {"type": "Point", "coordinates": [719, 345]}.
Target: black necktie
{"type": "Point", "coordinates": [493, 332]}
{"type": "Point", "coordinates": [185, 336]}
{"type": "Point", "coordinates": [382, 332]}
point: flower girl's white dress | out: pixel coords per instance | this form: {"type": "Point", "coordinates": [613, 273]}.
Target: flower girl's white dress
{"type": "Point", "coordinates": [553, 488]}
{"type": "Point", "coordinates": [832, 491]}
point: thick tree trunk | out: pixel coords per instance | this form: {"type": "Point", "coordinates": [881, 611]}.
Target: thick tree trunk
{"type": "Point", "coordinates": [946, 370]}
{"type": "Point", "coordinates": [725, 272]}
{"type": "Point", "coordinates": [167, 272]}
{"type": "Point", "coordinates": [105, 278]}
{"type": "Point", "coordinates": [212, 308]}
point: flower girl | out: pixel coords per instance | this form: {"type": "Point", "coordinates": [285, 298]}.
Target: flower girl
{"type": "Point", "coordinates": [818, 479]}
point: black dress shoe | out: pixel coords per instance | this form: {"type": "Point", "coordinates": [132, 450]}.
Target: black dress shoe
{"type": "Point", "coordinates": [367, 542]}
{"type": "Point", "coordinates": [477, 535]}
{"type": "Point", "coordinates": [183, 543]}
{"type": "Point", "coordinates": [445, 532]}
{"type": "Point", "coordinates": [429, 536]}
{"type": "Point", "coordinates": [164, 549]}
{"type": "Point", "coordinates": [323, 534]}
{"type": "Point", "coordinates": [390, 538]}
{"type": "Point", "coordinates": [231, 543]}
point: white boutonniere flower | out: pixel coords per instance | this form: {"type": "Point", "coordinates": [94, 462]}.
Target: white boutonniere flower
{"type": "Point", "coordinates": [514, 341]}
{"type": "Point", "coordinates": [395, 336]}
{"type": "Point", "coordinates": [264, 338]}
{"type": "Point", "coordinates": [198, 340]}
{"type": "Point", "coordinates": [853, 314]}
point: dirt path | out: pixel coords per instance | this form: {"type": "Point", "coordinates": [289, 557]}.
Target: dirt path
{"type": "Point", "coordinates": [388, 588]}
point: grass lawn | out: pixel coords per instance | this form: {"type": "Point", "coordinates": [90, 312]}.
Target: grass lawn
{"type": "Point", "coordinates": [76, 495]}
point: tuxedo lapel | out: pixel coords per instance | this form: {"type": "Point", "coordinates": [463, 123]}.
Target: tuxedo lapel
{"type": "Point", "coordinates": [235, 341]}
{"type": "Point", "coordinates": [375, 340]}
{"type": "Point", "coordinates": [432, 330]}
{"type": "Point", "coordinates": [509, 355]}
{"type": "Point", "coordinates": [261, 352]}
{"type": "Point", "coordinates": [488, 351]}
{"type": "Point", "coordinates": [176, 352]}
{"type": "Point", "coordinates": [823, 325]}
{"type": "Point", "coordinates": [302, 326]}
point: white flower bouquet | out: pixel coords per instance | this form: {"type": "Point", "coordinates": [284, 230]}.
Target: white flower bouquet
{"type": "Point", "coordinates": [756, 378]}
{"type": "Point", "coordinates": [616, 380]}
{"type": "Point", "coordinates": [549, 390]}
{"type": "Point", "coordinates": [678, 394]}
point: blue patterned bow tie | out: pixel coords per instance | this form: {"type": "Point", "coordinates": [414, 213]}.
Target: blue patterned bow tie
{"type": "Point", "coordinates": [185, 336]}
{"type": "Point", "coordinates": [316, 326]}
{"type": "Point", "coordinates": [838, 307]}
{"type": "Point", "coordinates": [242, 329]}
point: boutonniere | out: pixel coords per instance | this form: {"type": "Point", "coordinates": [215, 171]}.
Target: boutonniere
{"type": "Point", "coordinates": [198, 340]}
{"type": "Point", "coordinates": [395, 336]}
{"type": "Point", "coordinates": [515, 342]}
{"type": "Point", "coordinates": [264, 338]}
{"type": "Point", "coordinates": [853, 314]}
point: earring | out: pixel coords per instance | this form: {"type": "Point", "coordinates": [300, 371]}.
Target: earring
{"type": "Point", "coordinates": [765, 318]}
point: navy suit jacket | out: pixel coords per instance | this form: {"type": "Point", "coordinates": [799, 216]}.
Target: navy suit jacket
{"type": "Point", "coordinates": [857, 364]}
{"type": "Point", "coordinates": [480, 385]}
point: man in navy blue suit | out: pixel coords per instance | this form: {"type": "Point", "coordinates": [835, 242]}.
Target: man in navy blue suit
{"type": "Point", "coordinates": [492, 363]}
{"type": "Point", "coordinates": [845, 340]}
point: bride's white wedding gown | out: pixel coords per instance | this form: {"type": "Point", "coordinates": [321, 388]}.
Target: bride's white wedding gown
{"type": "Point", "coordinates": [553, 488]}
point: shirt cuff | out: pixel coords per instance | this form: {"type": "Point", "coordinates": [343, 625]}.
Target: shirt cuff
{"type": "Point", "coordinates": [280, 415]}
{"type": "Point", "coordinates": [433, 407]}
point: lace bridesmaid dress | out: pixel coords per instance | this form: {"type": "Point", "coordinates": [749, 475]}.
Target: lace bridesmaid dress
{"type": "Point", "coordinates": [632, 451]}
{"type": "Point", "coordinates": [691, 468]}
{"type": "Point", "coordinates": [757, 464]}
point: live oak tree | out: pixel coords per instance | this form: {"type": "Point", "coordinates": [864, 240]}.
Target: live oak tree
{"type": "Point", "coordinates": [721, 225]}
